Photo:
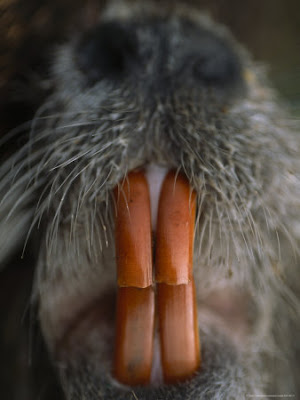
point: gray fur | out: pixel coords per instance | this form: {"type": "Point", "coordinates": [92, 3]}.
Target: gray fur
{"type": "Point", "coordinates": [241, 154]}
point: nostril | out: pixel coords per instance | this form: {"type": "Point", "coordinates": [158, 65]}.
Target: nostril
{"type": "Point", "coordinates": [218, 68]}
{"type": "Point", "coordinates": [107, 51]}
{"type": "Point", "coordinates": [215, 63]}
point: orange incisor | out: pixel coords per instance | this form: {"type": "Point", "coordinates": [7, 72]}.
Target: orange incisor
{"type": "Point", "coordinates": [133, 232]}
{"type": "Point", "coordinates": [178, 330]}
{"type": "Point", "coordinates": [179, 337]}
{"type": "Point", "coordinates": [134, 335]}
{"type": "Point", "coordinates": [135, 303]}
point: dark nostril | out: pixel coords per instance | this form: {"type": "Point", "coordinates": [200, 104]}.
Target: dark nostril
{"type": "Point", "coordinates": [107, 52]}
{"type": "Point", "coordinates": [215, 63]}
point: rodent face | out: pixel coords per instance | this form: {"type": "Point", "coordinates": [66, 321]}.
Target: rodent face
{"type": "Point", "coordinates": [175, 91]}
{"type": "Point", "coordinates": [151, 75]}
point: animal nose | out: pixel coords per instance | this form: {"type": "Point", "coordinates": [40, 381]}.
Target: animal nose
{"type": "Point", "coordinates": [108, 51]}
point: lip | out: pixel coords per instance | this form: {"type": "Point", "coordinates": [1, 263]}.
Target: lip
{"type": "Point", "coordinates": [219, 357]}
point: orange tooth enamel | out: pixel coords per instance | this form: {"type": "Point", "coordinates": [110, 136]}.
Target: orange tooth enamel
{"type": "Point", "coordinates": [180, 347]}
{"type": "Point", "coordinates": [133, 232]}
{"type": "Point", "coordinates": [134, 335]}
{"type": "Point", "coordinates": [177, 309]}
{"type": "Point", "coordinates": [175, 231]}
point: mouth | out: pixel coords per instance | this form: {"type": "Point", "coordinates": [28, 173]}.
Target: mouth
{"type": "Point", "coordinates": [143, 329]}
{"type": "Point", "coordinates": [176, 303]}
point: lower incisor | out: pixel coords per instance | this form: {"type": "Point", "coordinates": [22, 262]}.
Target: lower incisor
{"type": "Point", "coordinates": [134, 335]}
{"type": "Point", "coordinates": [179, 337]}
